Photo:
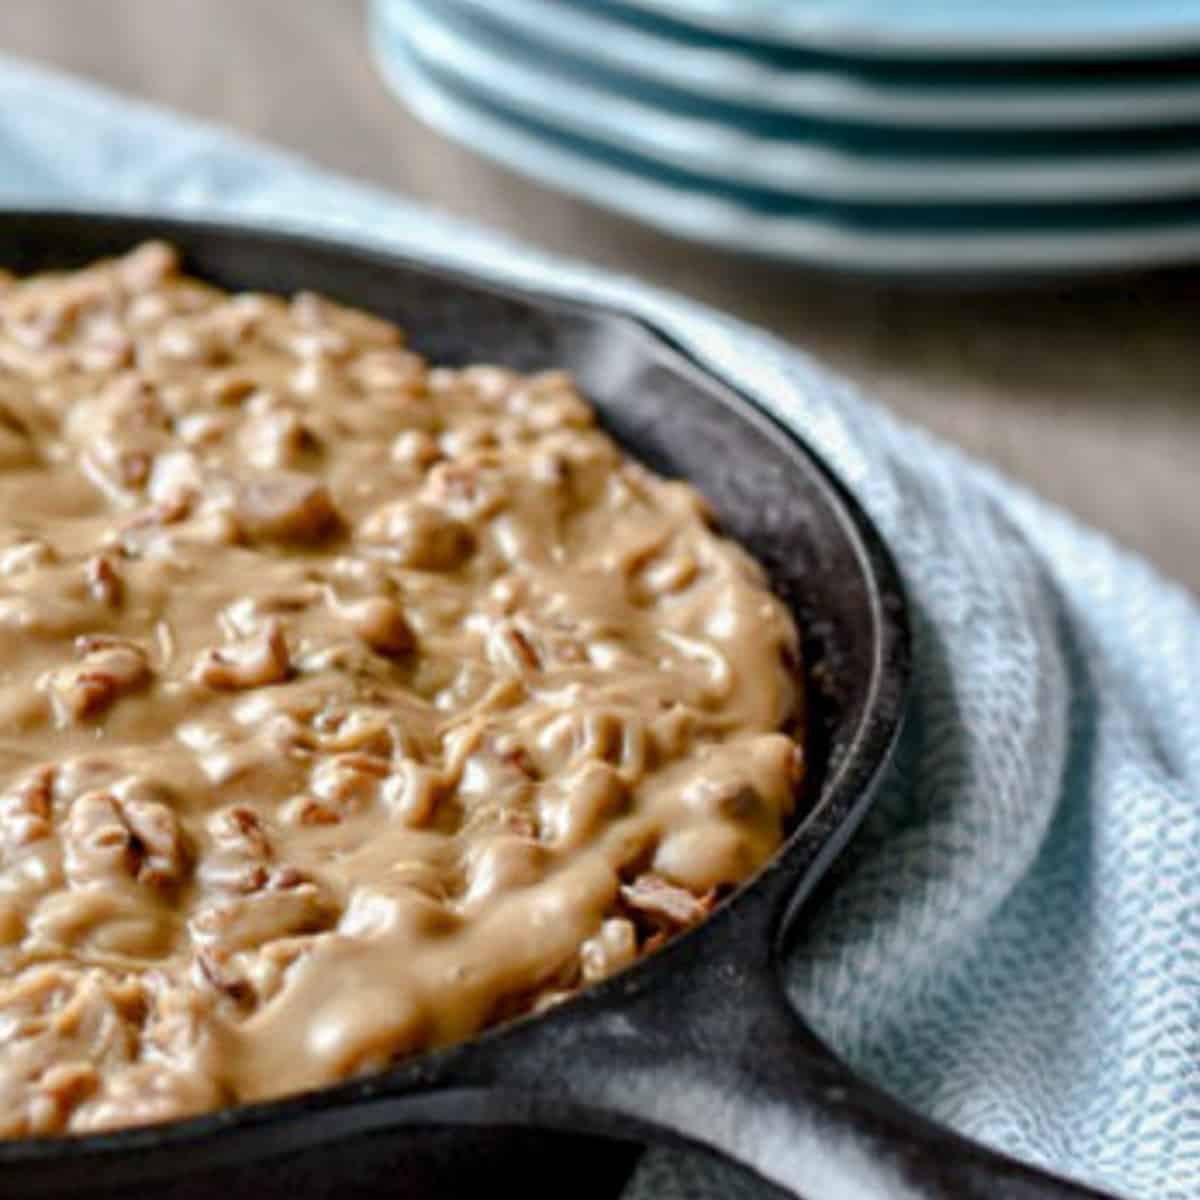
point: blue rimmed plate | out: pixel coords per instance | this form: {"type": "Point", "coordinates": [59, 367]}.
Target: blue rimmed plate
{"type": "Point", "coordinates": [823, 160]}
{"type": "Point", "coordinates": [927, 240]}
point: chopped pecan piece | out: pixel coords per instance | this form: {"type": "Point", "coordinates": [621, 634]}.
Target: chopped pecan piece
{"type": "Point", "coordinates": [110, 669]}
{"type": "Point", "coordinates": [242, 825]}
{"type": "Point", "coordinates": [253, 662]}
{"type": "Point", "coordinates": [389, 370]}
{"type": "Point", "coordinates": [413, 791]}
{"type": "Point", "coordinates": [285, 507]}
{"type": "Point", "coordinates": [26, 808]}
{"type": "Point", "coordinates": [419, 535]}
{"type": "Point", "coordinates": [307, 810]}
{"type": "Point", "coordinates": [241, 856]}
{"type": "Point", "coordinates": [468, 490]}
{"type": "Point", "coordinates": [277, 438]}
{"type": "Point", "coordinates": [147, 266]}
{"type": "Point", "coordinates": [611, 948]}
{"type": "Point", "coordinates": [110, 836]}
{"type": "Point", "coordinates": [510, 647]}
{"type": "Point", "coordinates": [663, 903]}
{"type": "Point", "coordinates": [60, 1091]}
{"type": "Point", "coordinates": [240, 922]}
{"type": "Point", "coordinates": [167, 511]}
{"type": "Point", "coordinates": [103, 581]}
{"type": "Point", "coordinates": [349, 782]}
{"type": "Point", "coordinates": [378, 621]}
{"type": "Point", "coordinates": [230, 386]}
{"type": "Point", "coordinates": [214, 970]}
{"type": "Point", "coordinates": [362, 729]}
{"type": "Point", "coordinates": [415, 448]}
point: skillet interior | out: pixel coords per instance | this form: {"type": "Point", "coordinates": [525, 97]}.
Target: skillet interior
{"type": "Point", "coordinates": [768, 492]}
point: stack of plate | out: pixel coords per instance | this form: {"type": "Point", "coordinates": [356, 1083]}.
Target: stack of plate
{"type": "Point", "coordinates": [923, 136]}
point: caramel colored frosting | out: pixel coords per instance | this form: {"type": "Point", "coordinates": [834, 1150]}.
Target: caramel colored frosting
{"type": "Point", "coordinates": [347, 704]}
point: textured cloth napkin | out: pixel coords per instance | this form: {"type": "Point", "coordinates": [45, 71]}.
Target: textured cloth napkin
{"type": "Point", "coordinates": [1014, 944]}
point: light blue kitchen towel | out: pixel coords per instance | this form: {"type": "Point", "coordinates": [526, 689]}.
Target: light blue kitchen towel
{"type": "Point", "coordinates": [1014, 947]}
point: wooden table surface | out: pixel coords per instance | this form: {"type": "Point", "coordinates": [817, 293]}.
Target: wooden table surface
{"type": "Point", "coordinates": [1091, 393]}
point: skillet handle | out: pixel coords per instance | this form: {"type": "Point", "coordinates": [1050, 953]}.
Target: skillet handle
{"type": "Point", "coordinates": [718, 1057]}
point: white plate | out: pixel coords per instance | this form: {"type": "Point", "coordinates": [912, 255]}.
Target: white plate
{"type": "Point", "coordinates": [727, 155]}
{"type": "Point", "coordinates": [949, 28]}
{"type": "Point", "coordinates": [816, 242]}
{"type": "Point", "coordinates": [725, 73]}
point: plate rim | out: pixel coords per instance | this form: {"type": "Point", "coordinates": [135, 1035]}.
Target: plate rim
{"type": "Point", "coordinates": [861, 35]}
{"type": "Point", "coordinates": [828, 92]}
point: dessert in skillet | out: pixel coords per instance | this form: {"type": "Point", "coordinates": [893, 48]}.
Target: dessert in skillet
{"type": "Point", "coordinates": [347, 704]}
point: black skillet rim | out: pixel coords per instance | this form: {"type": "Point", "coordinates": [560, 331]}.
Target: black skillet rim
{"type": "Point", "coordinates": [845, 794]}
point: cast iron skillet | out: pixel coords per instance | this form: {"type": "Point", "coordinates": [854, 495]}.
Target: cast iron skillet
{"type": "Point", "coordinates": [697, 1043]}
